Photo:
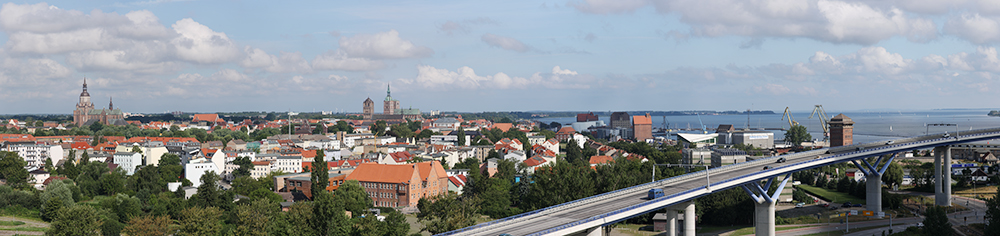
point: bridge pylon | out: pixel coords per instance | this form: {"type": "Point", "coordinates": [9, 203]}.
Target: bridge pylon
{"type": "Point", "coordinates": [689, 218]}
{"type": "Point", "coordinates": [764, 203]}
{"type": "Point", "coordinates": [873, 180]}
{"type": "Point", "coordinates": [942, 176]}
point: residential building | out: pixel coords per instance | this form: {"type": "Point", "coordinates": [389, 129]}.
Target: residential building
{"type": "Point", "coordinates": [289, 164]}
{"type": "Point", "coordinates": [565, 133]}
{"type": "Point", "coordinates": [35, 155]}
{"type": "Point", "coordinates": [128, 161]}
{"type": "Point", "coordinates": [194, 169]}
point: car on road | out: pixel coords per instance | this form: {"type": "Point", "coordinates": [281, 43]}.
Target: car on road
{"type": "Point", "coordinates": [654, 193]}
{"type": "Point", "coordinates": [767, 168]}
{"type": "Point", "coordinates": [890, 142]}
{"type": "Point", "coordinates": [825, 204]}
{"type": "Point", "coordinates": [781, 160]}
{"type": "Point", "coordinates": [945, 135]}
{"type": "Point", "coordinates": [846, 205]}
{"type": "Point", "coordinates": [858, 205]}
{"type": "Point", "coordinates": [920, 224]}
{"type": "Point", "coordinates": [834, 207]}
{"type": "Point", "coordinates": [800, 205]}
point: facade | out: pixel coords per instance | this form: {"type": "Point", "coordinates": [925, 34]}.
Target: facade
{"type": "Point", "coordinates": [401, 185]}
{"type": "Point", "coordinates": [841, 131]}
{"type": "Point", "coordinates": [128, 161]}
{"type": "Point", "coordinates": [35, 155]}
{"type": "Point", "coordinates": [642, 127]}
{"type": "Point", "coordinates": [621, 120]}
{"type": "Point", "coordinates": [722, 157]}
{"type": "Point", "coordinates": [584, 117]}
{"type": "Point", "coordinates": [757, 139]}
{"type": "Point", "coordinates": [85, 114]}
{"type": "Point", "coordinates": [697, 156]}
{"type": "Point", "coordinates": [289, 164]}
{"type": "Point", "coordinates": [194, 169]}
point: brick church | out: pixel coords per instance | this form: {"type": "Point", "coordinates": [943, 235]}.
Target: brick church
{"type": "Point", "coordinates": [85, 114]}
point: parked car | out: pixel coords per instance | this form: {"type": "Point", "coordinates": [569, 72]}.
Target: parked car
{"type": "Point", "coordinates": [825, 204]}
{"type": "Point", "coordinates": [846, 205]}
{"type": "Point", "coordinates": [655, 193]}
{"type": "Point", "coordinates": [833, 207]}
{"type": "Point", "coordinates": [945, 135]}
{"type": "Point", "coordinates": [858, 205]}
{"type": "Point", "coordinates": [800, 205]}
{"type": "Point", "coordinates": [781, 160]}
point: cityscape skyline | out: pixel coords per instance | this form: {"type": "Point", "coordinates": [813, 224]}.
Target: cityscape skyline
{"type": "Point", "coordinates": [208, 56]}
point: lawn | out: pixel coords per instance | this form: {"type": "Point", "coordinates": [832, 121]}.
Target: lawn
{"type": "Point", "coordinates": [830, 195]}
{"type": "Point", "coordinates": [25, 228]}
{"type": "Point", "coordinates": [10, 223]}
{"type": "Point", "coordinates": [982, 191]}
{"type": "Point", "coordinates": [749, 230]}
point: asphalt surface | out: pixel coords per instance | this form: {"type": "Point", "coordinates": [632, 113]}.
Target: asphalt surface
{"type": "Point", "coordinates": [576, 211]}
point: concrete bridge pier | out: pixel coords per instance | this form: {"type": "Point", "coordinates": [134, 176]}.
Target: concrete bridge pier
{"type": "Point", "coordinates": [689, 218]}
{"type": "Point", "coordinates": [764, 204]}
{"type": "Point", "coordinates": [942, 176]}
{"type": "Point", "coordinates": [873, 180]}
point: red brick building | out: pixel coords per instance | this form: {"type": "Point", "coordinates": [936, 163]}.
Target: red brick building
{"type": "Point", "coordinates": [401, 185]}
{"type": "Point", "coordinates": [841, 131]}
{"type": "Point", "coordinates": [642, 127]}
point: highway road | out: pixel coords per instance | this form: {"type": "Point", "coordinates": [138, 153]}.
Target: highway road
{"type": "Point", "coordinates": [622, 204]}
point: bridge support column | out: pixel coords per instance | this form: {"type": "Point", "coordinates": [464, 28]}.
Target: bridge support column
{"type": "Point", "coordinates": [942, 176]}
{"type": "Point", "coordinates": [596, 231]}
{"type": "Point", "coordinates": [764, 204]}
{"type": "Point", "coordinates": [689, 219]}
{"type": "Point", "coordinates": [873, 180]}
{"type": "Point", "coordinates": [671, 222]}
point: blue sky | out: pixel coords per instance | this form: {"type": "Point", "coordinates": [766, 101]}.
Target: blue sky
{"type": "Point", "coordinates": [162, 55]}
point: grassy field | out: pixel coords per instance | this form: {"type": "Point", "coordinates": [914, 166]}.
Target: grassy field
{"type": "Point", "coordinates": [830, 195]}
{"type": "Point", "coordinates": [749, 230]}
{"type": "Point", "coordinates": [10, 223]}
{"type": "Point", "coordinates": [983, 191]}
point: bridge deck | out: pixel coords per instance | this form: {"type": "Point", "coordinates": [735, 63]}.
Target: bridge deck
{"type": "Point", "coordinates": [625, 203]}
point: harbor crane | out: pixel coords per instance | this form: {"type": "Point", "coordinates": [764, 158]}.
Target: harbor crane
{"type": "Point", "coordinates": [823, 118]}
{"type": "Point", "coordinates": [791, 122]}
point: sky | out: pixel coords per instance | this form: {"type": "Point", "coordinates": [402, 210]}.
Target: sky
{"type": "Point", "coordinates": [601, 55]}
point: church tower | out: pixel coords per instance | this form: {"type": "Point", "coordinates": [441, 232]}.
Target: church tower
{"type": "Point", "coordinates": [83, 108]}
{"type": "Point", "coordinates": [389, 105]}
{"type": "Point", "coordinates": [368, 108]}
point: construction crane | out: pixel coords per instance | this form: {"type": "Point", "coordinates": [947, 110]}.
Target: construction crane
{"type": "Point", "coordinates": [704, 130]}
{"type": "Point", "coordinates": [823, 118]}
{"type": "Point", "coordinates": [791, 122]}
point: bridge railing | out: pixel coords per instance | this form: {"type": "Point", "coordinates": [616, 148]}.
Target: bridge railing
{"type": "Point", "coordinates": [646, 186]}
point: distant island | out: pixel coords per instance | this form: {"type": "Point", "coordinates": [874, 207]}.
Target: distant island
{"type": "Point", "coordinates": [994, 113]}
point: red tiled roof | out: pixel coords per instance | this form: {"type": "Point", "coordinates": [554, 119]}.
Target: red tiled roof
{"type": "Point", "coordinates": [600, 160]}
{"type": "Point", "coordinates": [566, 130]}
{"type": "Point", "coordinates": [261, 163]}
{"type": "Point", "coordinates": [205, 117]}
{"type": "Point", "coordinates": [17, 137]}
{"type": "Point", "coordinates": [502, 126]}
{"type": "Point", "coordinates": [431, 166]}
{"type": "Point", "coordinates": [400, 157]}
{"type": "Point", "coordinates": [534, 161]}
{"type": "Point", "coordinates": [80, 146]}
{"type": "Point", "coordinates": [373, 172]}
{"type": "Point", "coordinates": [642, 120]}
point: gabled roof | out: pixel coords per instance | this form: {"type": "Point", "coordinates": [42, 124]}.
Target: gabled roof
{"type": "Point", "coordinates": [566, 130]}
{"type": "Point", "coordinates": [594, 160]}
{"type": "Point", "coordinates": [373, 172]}
{"type": "Point", "coordinates": [206, 117]}
{"type": "Point", "coordinates": [534, 161]}
{"type": "Point", "coordinates": [502, 126]}
{"type": "Point", "coordinates": [642, 120]}
{"type": "Point", "coordinates": [431, 166]}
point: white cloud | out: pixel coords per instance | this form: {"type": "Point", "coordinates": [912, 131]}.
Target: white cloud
{"type": "Point", "coordinates": [198, 43]}
{"type": "Point", "coordinates": [975, 28]}
{"type": "Point", "coordinates": [337, 60]}
{"type": "Point", "coordinates": [825, 20]}
{"type": "Point", "coordinates": [506, 43]}
{"type": "Point", "coordinates": [384, 45]}
{"type": "Point", "coordinates": [288, 62]}
{"type": "Point", "coordinates": [774, 89]}
{"type": "Point", "coordinates": [465, 78]}
{"type": "Point", "coordinates": [605, 7]}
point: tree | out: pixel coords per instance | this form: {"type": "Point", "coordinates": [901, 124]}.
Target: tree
{"type": "Point", "coordinates": [12, 170]}
{"type": "Point", "coordinates": [573, 152]}
{"type": "Point", "coordinates": [797, 134]}
{"type": "Point", "coordinates": [209, 194]}
{"type": "Point", "coordinates": [301, 214]}
{"type": "Point", "coordinates": [328, 217]}
{"type": "Point", "coordinates": [396, 224]}
{"type": "Point", "coordinates": [56, 196]}
{"type": "Point", "coordinates": [378, 128]}
{"type": "Point", "coordinates": [170, 167]}
{"type": "Point", "coordinates": [936, 222]}
{"type": "Point", "coordinates": [993, 213]}
{"type": "Point", "coordinates": [893, 176]}
{"type": "Point", "coordinates": [461, 136]}
{"type": "Point", "coordinates": [256, 218]}
{"type": "Point", "coordinates": [447, 212]}
{"type": "Point", "coordinates": [353, 197]}
{"type": "Point", "coordinates": [112, 183]}
{"type": "Point", "coordinates": [200, 221]}
{"type": "Point", "coordinates": [75, 220]}
{"type": "Point", "coordinates": [244, 165]}
{"type": "Point", "coordinates": [148, 226]}
{"type": "Point", "coordinates": [319, 175]}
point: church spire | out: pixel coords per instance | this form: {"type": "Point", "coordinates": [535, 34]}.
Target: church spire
{"type": "Point", "coordinates": [111, 104]}
{"type": "Point", "coordinates": [85, 93]}
{"type": "Point", "coordinates": [388, 93]}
